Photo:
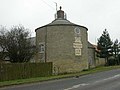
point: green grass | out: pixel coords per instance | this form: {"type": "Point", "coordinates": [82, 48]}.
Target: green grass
{"type": "Point", "coordinates": [40, 79]}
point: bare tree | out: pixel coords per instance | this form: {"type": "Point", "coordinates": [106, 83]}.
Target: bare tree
{"type": "Point", "coordinates": [17, 44]}
{"type": "Point", "coordinates": [2, 42]}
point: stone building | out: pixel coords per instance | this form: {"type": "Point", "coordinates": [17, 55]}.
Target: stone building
{"type": "Point", "coordinates": [63, 43]}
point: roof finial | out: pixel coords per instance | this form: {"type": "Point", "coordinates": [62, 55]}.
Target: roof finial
{"type": "Point", "coordinates": [60, 7]}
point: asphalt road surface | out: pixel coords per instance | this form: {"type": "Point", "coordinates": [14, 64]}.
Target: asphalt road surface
{"type": "Point", "coordinates": [108, 80]}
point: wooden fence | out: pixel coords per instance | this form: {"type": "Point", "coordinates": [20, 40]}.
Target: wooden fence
{"type": "Point", "coordinates": [24, 70]}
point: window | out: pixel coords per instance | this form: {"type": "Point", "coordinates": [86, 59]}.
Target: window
{"type": "Point", "coordinates": [77, 30]}
{"type": "Point", "coordinates": [41, 47]}
{"type": "Point", "coordinates": [78, 52]}
{"type": "Point", "coordinates": [78, 39]}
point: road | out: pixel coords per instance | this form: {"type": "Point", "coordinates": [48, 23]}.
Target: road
{"type": "Point", "coordinates": [108, 80]}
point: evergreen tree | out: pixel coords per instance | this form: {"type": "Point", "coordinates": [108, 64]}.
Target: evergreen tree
{"type": "Point", "coordinates": [116, 50]}
{"type": "Point", "coordinates": [104, 46]}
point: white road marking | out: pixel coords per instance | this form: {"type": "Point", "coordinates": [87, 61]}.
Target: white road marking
{"type": "Point", "coordinates": [85, 84]}
{"type": "Point", "coordinates": [76, 86]}
{"type": "Point", "coordinates": [118, 75]}
{"type": "Point", "coordinates": [115, 76]}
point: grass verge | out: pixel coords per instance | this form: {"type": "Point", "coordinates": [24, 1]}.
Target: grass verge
{"type": "Point", "coordinates": [40, 79]}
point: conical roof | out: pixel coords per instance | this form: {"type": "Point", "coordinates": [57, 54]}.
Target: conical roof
{"type": "Point", "coordinates": [61, 19]}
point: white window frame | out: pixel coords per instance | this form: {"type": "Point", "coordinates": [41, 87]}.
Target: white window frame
{"type": "Point", "coordinates": [41, 47]}
{"type": "Point", "coordinates": [77, 30]}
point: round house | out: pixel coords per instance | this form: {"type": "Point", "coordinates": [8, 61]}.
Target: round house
{"type": "Point", "coordinates": [63, 43]}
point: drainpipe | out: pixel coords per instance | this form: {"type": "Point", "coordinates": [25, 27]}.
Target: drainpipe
{"type": "Point", "coordinates": [46, 45]}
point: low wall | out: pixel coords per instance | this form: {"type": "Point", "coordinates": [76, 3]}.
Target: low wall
{"type": "Point", "coordinates": [100, 62]}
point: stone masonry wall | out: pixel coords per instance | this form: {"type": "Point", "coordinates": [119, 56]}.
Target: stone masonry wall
{"type": "Point", "coordinates": [59, 47]}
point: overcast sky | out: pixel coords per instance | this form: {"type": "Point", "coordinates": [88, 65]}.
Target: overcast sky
{"type": "Point", "coordinates": [96, 15]}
